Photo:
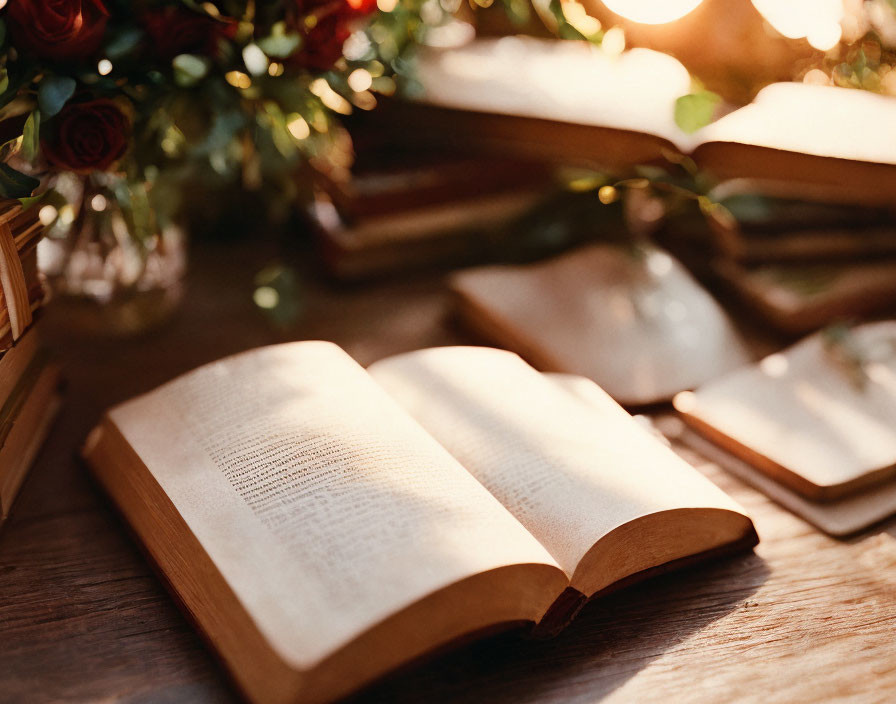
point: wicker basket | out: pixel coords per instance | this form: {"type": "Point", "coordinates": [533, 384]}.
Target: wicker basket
{"type": "Point", "coordinates": [21, 287]}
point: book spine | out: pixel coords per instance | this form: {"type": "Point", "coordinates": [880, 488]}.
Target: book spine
{"type": "Point", "coordinates": [558, 617]}
{"type": "Point", "coordinates": [12, 281]}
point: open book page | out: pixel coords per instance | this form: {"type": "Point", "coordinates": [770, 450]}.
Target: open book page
{"type": "Point", "coordinates": [817, 418]}
{"type": "Point", "coordinates": [808, 119]}
{"type": "Point", "coordinates": [571, 82]}
{"type": "Point", "coordinates": [325, 506]}
{"type": "Point", "coordinates": [574, 83]}
{"type": "Point", "coordinates": [570, 471]}
{"type": "Point", "coordinates": [559, 313]}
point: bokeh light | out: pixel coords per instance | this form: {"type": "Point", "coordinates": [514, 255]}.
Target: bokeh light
{"type": "Point", "coordinates": [652, 11]}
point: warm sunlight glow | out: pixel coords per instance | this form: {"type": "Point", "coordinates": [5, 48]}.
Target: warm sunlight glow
{"type": "Point", "coordinates": [652, 11]}
{"type": "Point", "coordinates": [816, 20]}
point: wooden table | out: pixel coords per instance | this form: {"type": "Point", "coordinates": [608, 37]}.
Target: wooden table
{"type": "Point", "coordinates": [83, 618]}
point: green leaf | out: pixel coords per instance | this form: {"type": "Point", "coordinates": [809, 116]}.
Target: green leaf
{"type": "Point", "coordinates": [16, 77]}
{"type": "Point", "coordinates": [279, 46]}
{"type": "Point", "coordinates": [31, 136]}
{"type": "Point", "coordinates": [695, 110]}
{"type": "Point", "coordinates": [53, 93]}
{"type": "Point", "coordinates": [31, 201]}
{"type": "Point", "coordinates": [126, 41]}
{"type": "Point", "coordinates": [189, 69]}
{"type": "Point", "coordinates": [4, 80]}
{"type": "Point", "coordinates": [14, 184]}
{"type": "Point", "coordinates": [280, 136]}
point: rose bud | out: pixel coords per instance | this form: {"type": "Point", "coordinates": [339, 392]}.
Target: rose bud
{"type": "Point", "coordinates": [88, 136]}
{"type": "Point", "coordinates": [174, 30]}
{"type": "Point", "coordinates": [323, 38]}
{"type": "Point", "coordinates": [57, 29]}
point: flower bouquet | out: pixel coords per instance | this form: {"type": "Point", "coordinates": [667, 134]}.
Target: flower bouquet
{"type": "Point", "coordinates": [116, 110]}
{"type": "Point", "coordinates": [135, 87]}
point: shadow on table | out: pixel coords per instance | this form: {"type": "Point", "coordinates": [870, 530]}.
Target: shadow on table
{"type": "Point", "coordinates": [609, 642]}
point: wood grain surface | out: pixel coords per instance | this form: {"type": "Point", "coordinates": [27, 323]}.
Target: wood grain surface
{"type": "Point", "coordinates": [83, 617]}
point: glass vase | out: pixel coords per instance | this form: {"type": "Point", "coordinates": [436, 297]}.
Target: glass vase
{"type": "Point", "coordinates": [108, 260]}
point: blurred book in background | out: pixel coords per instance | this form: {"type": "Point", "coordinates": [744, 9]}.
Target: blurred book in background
{"type": "Point", "coordinates": [29, 380]}
{"type": "Point", "coordinates": [422, 209]}
{"type": "Point", "coordinates": [797, 263]}
{"type": "Point", "coordinates": [806, 172]}
{"type": "Point", "coordinates": [801, 297]}
{"type": "Point", "coordinates": [572, 103]}
{"type": "Point", "coordinates": [631, 319]}
{"type": "Point", "coordinates": [769, 226]}
{"type": "Point", "coordinates": [811, 426]}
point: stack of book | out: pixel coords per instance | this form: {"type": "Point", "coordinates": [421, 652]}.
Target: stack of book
{"type": "Point", "coordinates": [396, 212]}
{"type": "Point", "coordinates": [568, 103]}
{"type": "Point", "coordinates": [813, 238]}
{"type": "Point", "coordinates": [801, 264]}
{"type": "Point", "coordinates": [29, 380]}
{"type": "Point", "coordinates": [811, 426]}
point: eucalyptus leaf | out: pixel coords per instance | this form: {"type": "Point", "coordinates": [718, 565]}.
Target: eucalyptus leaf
{"type": "Point", "coordinates": [224, 129]}
{"type": "Point", "coordinates": [279, 132]}
{"type": "Point", "coordinates": [53, 93]}
{"type": "Point", "coordinates": [123, 43]}
{"type": "Point", "coordinates": [31, 136]}
{"type": "Point", "coordinates": [279, 46]}
{"type": "Point", "coordinates": [15, 184]}
{"type": "Point", "coordinates": [695, 110]}
{"type": "Point", "coordinates": [16, 77]}
{"type": "Point", "coordinates": [7, 149]}
{"type": "Point", "coordinates": [189, 69]}
{"type": "Point", "coordinates": [4, 80]}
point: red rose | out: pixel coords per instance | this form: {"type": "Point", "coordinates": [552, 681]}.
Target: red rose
{"type": "Point", "coordinates": [324, 26]}
{"type": "Point", "coordinates": [88, 136]}
{"type": "Point", "coordinates": [57, 29]}
{"type": "Point", "coordinates": [174, 30]}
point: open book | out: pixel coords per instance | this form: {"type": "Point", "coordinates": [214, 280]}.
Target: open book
{"type": "Point", "coordinates": [571, 102]}
{"type": "Point", "coordinates": [669, 334]}
{"type": "Point", "coordinates": [323, 524]}
{"type": "Point", "coordinates": [817, 417]}
{"type": "Point", "coordinates": [811, 426]}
